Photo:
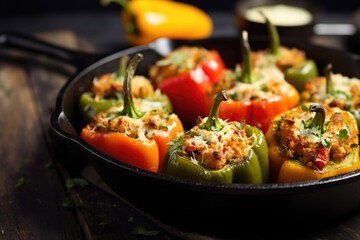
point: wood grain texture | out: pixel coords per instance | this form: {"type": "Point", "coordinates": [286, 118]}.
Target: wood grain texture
{"type": "Point", "coordinates": [32, 210]}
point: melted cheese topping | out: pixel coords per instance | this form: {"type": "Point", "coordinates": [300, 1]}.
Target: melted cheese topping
{"type": "Point", "coordinates": [271, 84]}
{"type": "Point", "coordinates": [286, 57]}
{"type": "Point", "coordinates": [347, 92]}
{"type": "Point", "coordinates": [299, 141]}
{"type": "Point", "coordinates": [108, 85]}
{"type": "Point", "coordinates": [216, 149]}
{"type": "Point", "coordinates": [178, 61]}
{"type": "Point", "coordinates": [154, 119]}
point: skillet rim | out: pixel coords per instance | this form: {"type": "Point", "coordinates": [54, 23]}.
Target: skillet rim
{"type": "Point", "coordinates": [265, 189]}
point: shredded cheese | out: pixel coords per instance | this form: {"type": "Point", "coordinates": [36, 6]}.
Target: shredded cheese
{"type": "Point", "coordinates": [216, 149]}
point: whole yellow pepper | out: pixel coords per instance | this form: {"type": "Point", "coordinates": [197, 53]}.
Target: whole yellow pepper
{"type": "Point", "coordinates": [147, 20]}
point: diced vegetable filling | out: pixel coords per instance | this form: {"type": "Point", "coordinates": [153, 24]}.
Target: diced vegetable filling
{"type": "Point", "coordinates": [216, 149]}
{"type": "Point", "coordinates": [301, 141]}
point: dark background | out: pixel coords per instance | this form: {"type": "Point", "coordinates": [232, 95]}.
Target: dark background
{"type": "Point", "coordinates": [37, 6]}
{"type": "Point", "coordinates": [102, 27]}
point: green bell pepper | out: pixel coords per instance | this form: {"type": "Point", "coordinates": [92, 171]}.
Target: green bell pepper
{"type": "Point", "coordinates": [254, 168]}
{"type": "Point", "coordinates": [298, 75]}
{"type": "Point", "coordinates": [90, 104]}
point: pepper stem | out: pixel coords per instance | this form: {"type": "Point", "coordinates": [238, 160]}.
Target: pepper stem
{"type": "Point", "coordinates": [212, 123]}
{"type": "Point", "coordinates": [246, 75]}
{"type": "Point", "coordinates": [129, 106]}
{"type": "Point", "coordinates": [329, 82]}
{"type": "Point", "coordinates": [131, 25]}
{"type": "Point", "coordinates": [123, 3]}
{"type": "Point", "coordinates": [120, 74]}
{"type": "Point", "coordinates": [319, 119]}
{"type": "Point", "coordinates": [274, 35]}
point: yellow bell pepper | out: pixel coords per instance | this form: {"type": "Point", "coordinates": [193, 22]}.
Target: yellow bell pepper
{"type": "Point", "coordinates": [304, 145]}
{"type": "Point", "coordinates": [147, 20]}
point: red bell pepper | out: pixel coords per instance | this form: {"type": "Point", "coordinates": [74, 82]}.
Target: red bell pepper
{"type": "Point", "coordinates": [186, 76]}
{"type": "Point", "coordinates": [138, 137]}
{"type": "Point", "coordinates": [258, 95]}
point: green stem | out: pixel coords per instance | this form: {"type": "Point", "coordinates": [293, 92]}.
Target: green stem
{"type": "Point", "coordinates": [319, 119]}
{"type": "Point", "coordinates": [274, 35]}
{"type": "Point", "coordinates": [213, 123]}
{"type": "Point", "coordinates": [131, 26]}
{"type": "Point", "coordinates": [246, 75]}
{"type": "Point", "coordinates": [123, 3]}
{"type": "Point", "coordinates": [329, 83]}
{"type": "Point", "coordinates": [129, 106]}
{"type": "Point", "coordinates": [120, 74]}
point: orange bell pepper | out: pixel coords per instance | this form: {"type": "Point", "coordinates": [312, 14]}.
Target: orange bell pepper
{"type": "Point", "coordinates": [129, 150]}
{"type": "Point", "coordinates": [258, 94]}
{"type": "Point", "coordinates": [146, 155]}
{"type": "Point", "coordinates": [304, 146]}
{"type": "Point", "coordinates": [258, 112]}
{"type": "Point", "coordinates": [137, 137]}
{"type": "Point", "coordinates": [146, 20]}
{"type": "Point", "coordinates": [163, 138]}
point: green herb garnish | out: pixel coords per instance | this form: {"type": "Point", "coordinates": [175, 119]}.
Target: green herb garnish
{"type": "Point", "coordinates": [343, 134]}
{"type": "Point", "coordinates": [75, 182]}
{"type": "Point", "coordinates": [137, 230]}
{"type": "Point", "coordinates": [21, 182]}
{"type": "Point", "coordinates": [70, 204]}
{"type": "Point", "coordinates": [176, 58]}
{"type": "Point", "coordinates": [304, 108]}
{"type": "Point", "coordinates": [103, 225]}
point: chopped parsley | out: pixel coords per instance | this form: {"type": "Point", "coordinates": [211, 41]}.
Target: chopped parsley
{"type": "Point", "coordinates": [343, 134]}
{"type": "Point", "coordinates": [304, 108]}
{"type": "Point", "coordinates": [176, 58]}
{"type": "Point", "coordinates": [137, 230]}
{"type": "Point", "coordinates": [75, 182]}
{"type": "Point", "coordinates": [325, 142]}
{"type": "Point", "coordinates": [70, 204]}
{"type": "Point", "coordinates": [21, 181]}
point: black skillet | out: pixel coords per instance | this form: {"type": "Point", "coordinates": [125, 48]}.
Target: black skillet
{"type": "Point", "coordinates": [199, 206]}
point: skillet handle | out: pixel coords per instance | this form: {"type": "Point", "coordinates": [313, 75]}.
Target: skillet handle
{"type": "Point", "coordinates": [33, 45]}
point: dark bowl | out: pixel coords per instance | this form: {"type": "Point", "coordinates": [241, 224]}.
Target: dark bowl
{"type": "Point", "coordinates": [201, 206]}
{"type": "Point", "coordinates": [305, 30]}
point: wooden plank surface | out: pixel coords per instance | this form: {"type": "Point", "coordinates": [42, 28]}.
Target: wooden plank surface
{"type": "Point", "coordinates": [31, 193]}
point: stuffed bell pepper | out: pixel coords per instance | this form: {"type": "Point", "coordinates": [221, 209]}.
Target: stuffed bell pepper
{"type": "Point", "coordinates": [291, 61]}
{"type": "Point", "coordinates": [106, 91]}
{"type": "Point", "coordinates": [186, 76]}
{"type": "Point", "coordinates": [312, 142]}
{"type": "Point", "coordinates": [334, 90]}
{"type": "Point", "coordinates": [256, 94]}
{"type": "Point", "coordinates": [219, 151]}
{"type": "Point", "coordinates": [136, 133]}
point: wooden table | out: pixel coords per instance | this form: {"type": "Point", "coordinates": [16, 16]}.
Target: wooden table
{"type": "Point", "coordinates": [36, 198]}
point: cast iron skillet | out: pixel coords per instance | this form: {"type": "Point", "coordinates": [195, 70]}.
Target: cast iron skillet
{"type": "Point", "coordinates": [197, 205]}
